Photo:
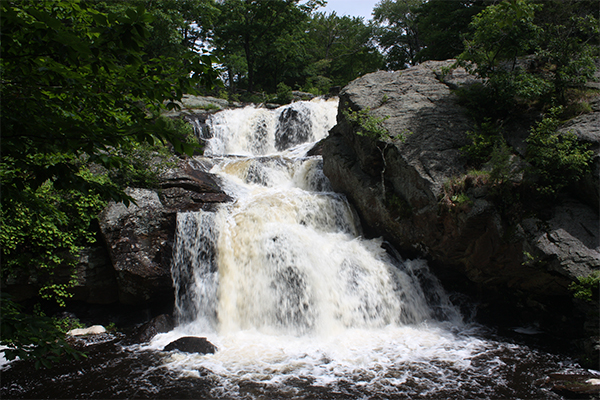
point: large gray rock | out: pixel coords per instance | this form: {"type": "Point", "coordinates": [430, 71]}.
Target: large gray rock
{"type": "Point", "coordinates": [396, 185]}
{"type": "Point", "coordinates": [140, 236]}
{"type": "Point", "coordinates": [398, 189]}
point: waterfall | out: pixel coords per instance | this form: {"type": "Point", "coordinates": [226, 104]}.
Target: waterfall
{"type": "Point", "coordinates": [286, 256]}
{"type": "Point", "coordinates": [281, 278]}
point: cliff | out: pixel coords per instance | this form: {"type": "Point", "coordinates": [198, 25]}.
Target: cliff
{"type": "Point", "coordinates": [518, 270]}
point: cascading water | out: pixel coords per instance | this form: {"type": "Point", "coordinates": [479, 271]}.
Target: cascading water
{"type": "Point", "coordinates": [297, 302]}
{"type": "Point", "coordinates": [299, 305]}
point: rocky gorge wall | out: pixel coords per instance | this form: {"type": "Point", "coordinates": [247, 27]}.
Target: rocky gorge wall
{"type": "Point", "coordinates": [519, 272]}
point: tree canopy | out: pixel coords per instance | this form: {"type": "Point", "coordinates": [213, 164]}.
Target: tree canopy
{"type": "Point", "coordinates": [77, 84]}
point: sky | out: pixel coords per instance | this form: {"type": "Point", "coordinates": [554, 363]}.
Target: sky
{"type": "Point", "coordinates": [353, 8]}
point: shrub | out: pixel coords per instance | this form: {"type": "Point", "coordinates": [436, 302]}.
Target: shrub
{"type": "Point", "coordinates": [586, 287]}
{"type": "Point", "coordinates": [483, 140]}
{"type": "Point", "coordinates": [558, 159]}
{"type": "Point", "coordinates": [284, 94]}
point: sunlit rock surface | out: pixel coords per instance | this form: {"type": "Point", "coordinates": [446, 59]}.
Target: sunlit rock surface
{"type": "Point", "coordinates": [520, 270]}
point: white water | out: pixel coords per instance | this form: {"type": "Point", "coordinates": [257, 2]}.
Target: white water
{"type": "Point", "coordinates": [281, 281]}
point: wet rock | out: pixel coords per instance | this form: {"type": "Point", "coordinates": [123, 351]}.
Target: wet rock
{"type": "Point", "coordinates": [189, 187]}
{"type": "Point", "coordinates": [574, 386]}
{"type": "Point", "coordinates": [192, 344]}
{"type": "Point", "coordinates": [161, 324]}
{"type": "Point", "coordinates": [140, 238]}
{"type": "Point", "coordinates": [96, 279]}
{"type": "Point", "coordinates": [191, 104]}
{"type": "Point", "coordinates": [293, 127]}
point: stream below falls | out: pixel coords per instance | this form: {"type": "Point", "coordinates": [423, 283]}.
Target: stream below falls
{"type": "Point", "coordinates": [299, 304]}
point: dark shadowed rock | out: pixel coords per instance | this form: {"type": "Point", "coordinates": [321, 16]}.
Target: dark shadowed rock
{"type": "Point", "coordinates": [189, 187]}
{"type": "Point", "coordinates": [161, 324]}
{"type": "Point", "coordinates": [293, 127]}
{"type": "Point", "coordinates": [140, 240]}
{"type": "Point", "coordinates": [140, 236]}
{"type": "Point", "coordinates": [192, 344]}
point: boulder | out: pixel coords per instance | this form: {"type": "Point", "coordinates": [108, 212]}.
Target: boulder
{"type": "Point", "coordinates": [519, 270]}
{"type": "Point", "coordinates": [140, 236]}
{"type": "Point", "coordinates": [396, 185]}
{"type": "Point", "coordinates": [92, 330]}
{"type": "Point", "coordinates": [139, 239]}
{"type": "Point", "coordinates": [189, 187]}
{"type": "Point", "coordinates": [96, 278]}
{"type": "Point", "coordinates": [192, 344]}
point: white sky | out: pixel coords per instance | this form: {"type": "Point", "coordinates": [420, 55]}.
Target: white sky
{"type": "Point", "coordinates": [353, 8]}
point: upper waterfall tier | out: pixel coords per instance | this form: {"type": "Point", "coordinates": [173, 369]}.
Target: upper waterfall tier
{"type": "Point", "coordinates": [256, 131]}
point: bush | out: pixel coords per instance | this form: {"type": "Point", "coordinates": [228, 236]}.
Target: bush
{"type": "Point", "coordinates": [483, 139]}
{"type": "Point", "coordinates": [284, 94]}
{"type": "Point", "coordinates": [586, 287]}
{"type": "Point", "coordinates": [558, 159]}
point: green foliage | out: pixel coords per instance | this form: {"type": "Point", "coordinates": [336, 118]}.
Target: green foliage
{"type": "Point", "coordinates": [43, 231]}
{"type": "Point", "coordinates": [559, 50]}
{"type": "Point", "coordinates": [483, 139]}
{"type": "Point", "coordinates": [558, 159]}
{"type": "Point", "coordinates": [442, 24]}
{"type": "Point", "coordinates": [397, 32]}
{"type": "Point", "coordinates": [368, 125]}
{"type": "Point", "coordinates": [28, 336]}
{"type": "Point", "coordinates": [502, 32]}
{"type": "Point", "coordinates": [340, 50]}
{"type": "Point", "coordinates": [455, 195]}
{"type": "Point", "coordinates": [66, 324]}
{"type": "Point", "coordinates": [262, 44]}
{"type": "Point", "coordinates": [586, 287]}
{"type": "Point", "coordinates": [253, 31]}
{"type": "Point", "coordinates": [502, 170]}
{"type": "Point", "coordinates": [80, 91]}
{"type": "Point", "coordinates": [81, 87]}
{"type": "Point", "coordinates": [284, 94]}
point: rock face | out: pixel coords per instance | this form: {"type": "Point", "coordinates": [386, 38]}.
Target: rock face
{"type": "Point", "coordinates": [140, 236]}
{"type": "Point", "coordinates": [192, 344]}
{"type": "Point", "coordinates": [398, 187]}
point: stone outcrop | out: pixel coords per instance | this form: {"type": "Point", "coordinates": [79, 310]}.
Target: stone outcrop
{"type": "Point", "coordinates": [140, 236]}
{"type": "Point", "coordinates": [398, 189]}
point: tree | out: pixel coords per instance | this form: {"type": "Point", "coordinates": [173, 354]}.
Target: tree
{"type": "Point", "coordinates": [397, 31]}
{"type": "Point", "coordinates": [252, 27]}
{"type": "Point", "coordinates": [341, 49]}
{"type": "Point", "coordinates": [560, 53]}
{"type": "Point", "coordinates": [568, 43]}
{"type": "Point", "coordinates": [442, 25]}
{"type": "Point", "coordinates": [76, 86]}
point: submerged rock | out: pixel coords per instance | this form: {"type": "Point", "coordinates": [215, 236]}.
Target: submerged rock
{"type": "Point", "coordinates": [192, 344]}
